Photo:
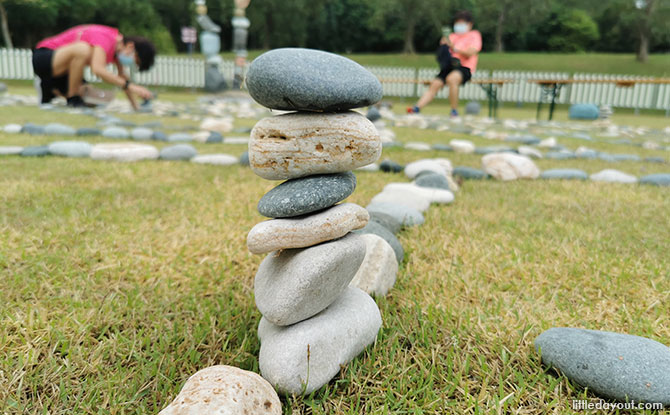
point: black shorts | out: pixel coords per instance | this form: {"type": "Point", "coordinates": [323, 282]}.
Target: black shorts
{"type": "Point", "coordinates": [42, 65]}
{"type": "Point", "coordinates": [465, 71]}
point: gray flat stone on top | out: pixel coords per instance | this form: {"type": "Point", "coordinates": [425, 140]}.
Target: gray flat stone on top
{"type": "Point", "coordinates": [564, 174]}
{"type": "Point", "coordinates": [70, 148]}
{"type": "Point", "coordinates": [379, 230]}
{"type": "Point", "coordinates": [658, 179]}
{"type": "Point", "coordinates": [312, 80]}
{"type": "Point", "coordinates": [178, 152]}
{"type": "Point", "coordinates": [304, 195]}
{"type": "Point", "coordinates": [612, 365]}
{"type": "Point", "coordinates": [59, 129]}
{"type": "Point", "coordinates": [35, 151]}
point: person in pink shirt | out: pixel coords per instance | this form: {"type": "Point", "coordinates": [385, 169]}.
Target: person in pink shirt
{"type": "Point", "coordinates": [458, 58]}
{"type": "Point", "coordinates": [59, 61]}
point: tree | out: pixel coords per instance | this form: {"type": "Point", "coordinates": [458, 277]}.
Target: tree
{"type": "Point", "coordinates": [644, 27]}
{"type": "Point", "coordinates": [4, 22]}
{"type": "Point", "coordinates": [508, 17]}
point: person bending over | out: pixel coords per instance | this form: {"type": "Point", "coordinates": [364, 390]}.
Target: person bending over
{"type": "Point", "coordinates": [59, 61]}
{"type": "Point", "coordinates": [457, 56]}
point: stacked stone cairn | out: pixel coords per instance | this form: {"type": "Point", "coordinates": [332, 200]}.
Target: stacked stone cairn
{"type": "Point", "coordinates": [314, 320]}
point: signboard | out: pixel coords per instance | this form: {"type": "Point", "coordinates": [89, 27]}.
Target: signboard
{"type": "Point", "coordinates": [189, 34]}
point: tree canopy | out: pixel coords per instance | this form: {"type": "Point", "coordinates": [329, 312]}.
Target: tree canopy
{"type": "Point", "coordinates": [367, 25]}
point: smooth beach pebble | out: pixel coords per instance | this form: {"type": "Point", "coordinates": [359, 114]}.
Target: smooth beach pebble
{"type": "Point", "coordinates": [377, 273]}
{"type": "Point", "coordinates": [307, 79]}
{"type": "Point", "coordinates": [508, 166]}
{"type": "Point", "coordinates": [613, 176]}
{"type": "Point", "coordinates": [297, 197]}
{"type": "Point", "coordinates": [305, 231]}
{"type": "Point", "coordinates": [178, 152]}
{"type": "Point", "coordinates": [127, 152]}
{"type": "Point", "coordinates": [294, 284]}
{"type": "Point", "coordinates": [564, 174]}
{"type": "Point", "coordinates": [301, 144]}
{"type": "Point", "coordinates": [331, 339]}
{"type": "Point", "coordinates": [70, 148]}
{"type": "Point", "coordinates": [216, 159]}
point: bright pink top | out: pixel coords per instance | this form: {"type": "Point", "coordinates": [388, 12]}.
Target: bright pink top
{"type": "Point", "coordinates": [467, 40]}
{"type": "Point", "coordinates": [93, 34]}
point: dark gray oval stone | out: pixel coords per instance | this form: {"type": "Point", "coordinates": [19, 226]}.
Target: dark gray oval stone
{"type": "Point", "coordinates": [564, 174]}
{"type": "Point", "coordinates": [373, 114]}
{"type": "Point", "coordinates": [33, 129]}
{"type": "Point", "coordinates": [159, 136]}
{"type": "Point", "coordinates": [35, 151]}
{"type": "Point", "coordinates": [390, 166]}
{"type": "Point", "coordinates": [613, 365]}
{"type": "Point", "coordinates": [469, 173]}
{"type": "Point", "coordinates": [312, 80]}
{"type": "Point", "coordinates": [379, 230]}
{"type": "Point", "coordinates": [658, 179]}
{"type": "Point", "coordinates": [432, 180]}
{"type": "Point", "coordinates": [306, 195]}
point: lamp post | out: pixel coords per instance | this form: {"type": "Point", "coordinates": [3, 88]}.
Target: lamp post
{"type": "Point", "coordinates": [240, 30]}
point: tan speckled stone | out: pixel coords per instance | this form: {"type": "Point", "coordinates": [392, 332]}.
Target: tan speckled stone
{"type": "Point", "coordinates": [302, 144]}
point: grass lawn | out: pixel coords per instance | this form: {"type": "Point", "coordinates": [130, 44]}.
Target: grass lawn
{"type": "Point", "coordinates": [121, 280]}
{"type": "Point", "coordinates": [658, 64]}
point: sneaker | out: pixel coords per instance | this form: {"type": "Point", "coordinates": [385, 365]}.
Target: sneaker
{"type": "Point", "coordinates": [454, 114]}
{"type": "Point", "coordinates": [75, 101]}
{"type": "Point", "coordinates": [413, 110]}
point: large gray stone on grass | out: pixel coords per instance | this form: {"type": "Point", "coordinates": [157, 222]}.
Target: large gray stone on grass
{"type": "Point", "coordinates": [225, 390]}
{"type": "Point", "coordinates": [301, 358]}
{"type": "Point", "coordinates": [294, 284]}
{"type": "Point", "coordinates": [301, 144]}
{"type": "Point", "coordinates": [564, 174]}
{"type": "Point", "coordinates": [306, 195]}
{"type": "Point", "coordinates": [612, 365]}
{"type": "Point", "coordinates": [304, 231]}
{"type": "Point", "coordinates": [305, 79]}
{"type": "Point", "coordinates": [178, 152]}
{"type": "Point", "coordinates": [389, 222]}
{"type": "Point", "coordinates": [70, 148]}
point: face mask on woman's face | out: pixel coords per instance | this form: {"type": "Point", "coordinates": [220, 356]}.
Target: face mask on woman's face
{"type": "Point", "coordinates": [125, 60]}
{"type": "Point", "coordinates": [461, 28]}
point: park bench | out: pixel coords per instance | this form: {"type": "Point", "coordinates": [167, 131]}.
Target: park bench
{"type": "Point", "coordinates": [490, 86]}
{"type": "Point", "coordinates": [551, 88]}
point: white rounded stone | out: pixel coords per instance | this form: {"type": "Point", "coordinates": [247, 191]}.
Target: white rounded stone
{"type": "Point", "coordinates": [294, 284]}
{"type": "Point", "coordinates": [508, 166]}
{"type": "Point", "coordinates": [304, 231]}
{"type": "Point", "coordinates": [433, 195]}
{"type": "Point", "coordinates": [370, 167]}
{"type": "Point", "coordinates": [301, 358]}
{"type": "Point", "coordinates": [302, 144]}
{"type": "Point", "coordinates": [548, 142]}
{"type": "Point", "coordinates": [462, 146]}
{"type": "Point", "coordinates": [400, 197]}
{"type": "Point", "coordinates": [221, 125]}
{"type": "Point", "coordinates": [225, 390]}
{"type": "Point", "coordinates": [530, 152]}
{"type": "Point", "coordinates": [418, 146]}
{"type": "Point", "coordinates": [217, 159]}
{"type": "Point", "coordinates": [378, 271]}
{"type": "Point", "coordinates": [124, 152]}
{"type": "Point", "coordinates": [236, 140]}
{"type": "Point", "coordinates": [613, 176]}
{"type": "Point", "coordinates": [439, 166]}
{"type": "Point", "coordinates": [10, 150]}
{"type": "Point", "coordinates": [12, 128]}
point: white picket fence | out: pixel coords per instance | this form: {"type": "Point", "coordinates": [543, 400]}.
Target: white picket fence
{"type": "Point", "coordinates": [398, 81]}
